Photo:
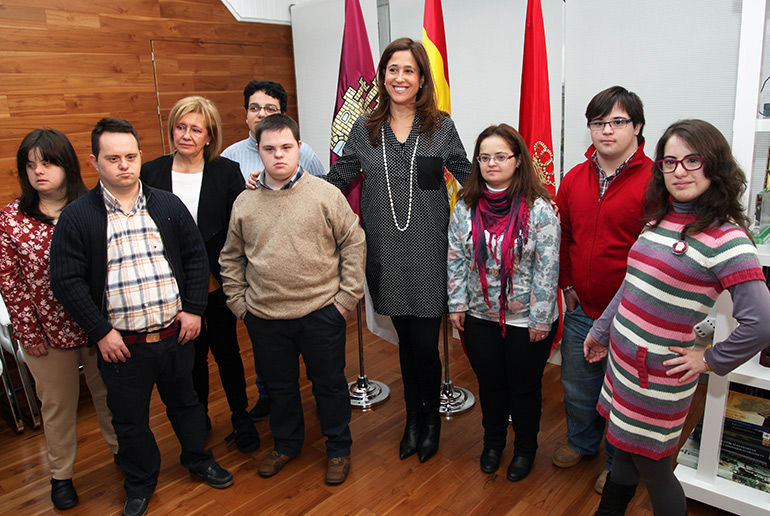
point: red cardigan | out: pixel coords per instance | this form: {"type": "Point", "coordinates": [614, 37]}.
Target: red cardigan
{"type": "Point", "coordinates": [597, 234]}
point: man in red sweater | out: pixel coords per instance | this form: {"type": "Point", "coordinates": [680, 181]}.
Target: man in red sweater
{"type": "Point", "coordinates": [601, 207]}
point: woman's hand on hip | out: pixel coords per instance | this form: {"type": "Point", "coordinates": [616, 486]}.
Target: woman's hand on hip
{"type": "Point", "coordinates": [689, 365]}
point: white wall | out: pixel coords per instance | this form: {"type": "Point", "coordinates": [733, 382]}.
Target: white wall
{"type": "Point", "coordinates": [679, 57]}
{"type": "Point", "coordinates": [484, 48]}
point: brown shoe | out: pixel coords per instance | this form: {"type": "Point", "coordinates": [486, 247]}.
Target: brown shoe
{"type": "Point", "coordinates": [273, 463]}
{"type": "Point", "coordinates": [566, 457]}
{"type": "Point", "coordinates": [600, 481]}
{"type": "Point", "coordinates": [337, 470]}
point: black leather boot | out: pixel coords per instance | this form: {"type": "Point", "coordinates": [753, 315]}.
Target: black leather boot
{"type": "Point", "coordinates": [408, 446]}
{"type": "Point", "coordinates": [615, 498]}
{"type": "Point", "coordinates": [429, 436]}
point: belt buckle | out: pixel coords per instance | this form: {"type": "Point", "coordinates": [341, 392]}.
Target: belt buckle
{"type": "Point", "coordinates": [153, 337]}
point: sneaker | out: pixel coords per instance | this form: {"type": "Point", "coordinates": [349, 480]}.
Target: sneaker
{"type": "Point", "coordinates": [214, 475]}
{"type": "Point", "coordinates": [337, 469]}
{"type": "Point", "coordinates": [244, 435]}
{"type": "Point", "coordinates": [136, 506]}
{"type": "Point", "coordinates": [261, 410]}
{"type": "Point", "coordinates": [600, 481]}
{"type": "Point", "coordinates": [273, 463]}
{"type": "Point", "coordinates": [566, 457]}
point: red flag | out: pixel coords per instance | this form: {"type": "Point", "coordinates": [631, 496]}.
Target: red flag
{"type": "Point", "coordinates": [356, 90]}
{"type": "Point", "coordinates": [535, 107]}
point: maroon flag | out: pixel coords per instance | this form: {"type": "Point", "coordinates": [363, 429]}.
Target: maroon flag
{"type": "Point", "coordinates": [356, 90]}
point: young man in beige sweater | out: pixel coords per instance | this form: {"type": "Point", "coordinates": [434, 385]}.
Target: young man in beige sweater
{"type": "Point", "coordinates": [293, 269]}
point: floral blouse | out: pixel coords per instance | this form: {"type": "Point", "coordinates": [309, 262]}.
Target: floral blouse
{"type": "Point", "coordinates": [37, 317]}
{"type": "Point", "coordinates": [535, 277]}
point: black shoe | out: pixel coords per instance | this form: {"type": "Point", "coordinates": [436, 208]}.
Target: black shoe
{"type": "Point", "coordinates": [136, 506]}
{"type": "Point", "coordinates": [214, 475]}
{"type": "Point", "coordinates": [615, 498]}
{"type": "Point", "coordinates": [244, 433]}
{"type": "Point", "coordinates": [261, 410]}
{"type": "Point", "coordinates": [63, 494]}
{"type": "Point", "coordinates": [519, 468]}
{"type": "Point", "coordinates": [429, 436]}
{"type": "Point", "coordinates": [408, 446]}
{"type": "Point", "coordinates": [490, 460]}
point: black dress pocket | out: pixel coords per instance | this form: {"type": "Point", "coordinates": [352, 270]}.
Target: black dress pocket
{"type": "Point", "coordinates": [430, 172]}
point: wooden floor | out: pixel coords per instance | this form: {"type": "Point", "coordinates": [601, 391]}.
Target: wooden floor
{"type": "Point", "coordinates": [451, 483]}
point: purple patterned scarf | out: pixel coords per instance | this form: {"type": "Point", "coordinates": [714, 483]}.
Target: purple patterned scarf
{"type": "Point", "coordinates": [507, 224]}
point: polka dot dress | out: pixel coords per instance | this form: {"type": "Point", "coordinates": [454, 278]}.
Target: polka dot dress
{"type": "Point", "coordinates": [405, 270]}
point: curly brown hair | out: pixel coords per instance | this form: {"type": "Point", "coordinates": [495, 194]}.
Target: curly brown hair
{"type": "Point", "coordinates": [526, 181]}
{"type": "Point", "coordinates": [721, 202]}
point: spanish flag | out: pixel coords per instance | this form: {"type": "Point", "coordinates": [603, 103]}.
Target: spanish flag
{"type": "Point", "coordinates": [434, 41]}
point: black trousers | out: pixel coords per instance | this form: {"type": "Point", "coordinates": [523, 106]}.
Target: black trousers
{"type": "Point", "coordinates": [420, 362]}
{"type": "Point", "coordinates": [320, 338]}
{"type": "Point", "coordinates": [166, 364]}
{"type": "Point", "coordinates": [510, 374]}
{"type": "Point", "coordinates": [219, 334]}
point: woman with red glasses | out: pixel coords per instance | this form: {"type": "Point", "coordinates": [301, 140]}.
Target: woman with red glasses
{"type": "Point", "coordinates": [696, 245]}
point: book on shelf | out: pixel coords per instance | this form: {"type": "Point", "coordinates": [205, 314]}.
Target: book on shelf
{"type": "Point", "coordinates": [730, 467]}
{"type": "Point", "coordinates": [747, 409]}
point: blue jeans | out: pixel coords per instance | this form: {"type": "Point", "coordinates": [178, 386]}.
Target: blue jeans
{"type": "Point", "coordinates": [582, 384]}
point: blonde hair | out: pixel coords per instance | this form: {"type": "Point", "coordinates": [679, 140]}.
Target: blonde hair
{"type": "Point", "coordinates": [211, 118]}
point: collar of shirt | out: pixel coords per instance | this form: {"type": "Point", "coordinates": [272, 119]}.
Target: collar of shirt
{"type": "Point", "coordinates": [113, 205]}
{"type": "Point", "coordinates": [288, 185]}
{"type": "Point", "coordinates": [620, 169]}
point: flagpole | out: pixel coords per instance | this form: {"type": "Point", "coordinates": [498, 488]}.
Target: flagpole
{"type": "Point", "coordinates": [365, 393]}
{"type": "Point", "coordinates": [454, 400]}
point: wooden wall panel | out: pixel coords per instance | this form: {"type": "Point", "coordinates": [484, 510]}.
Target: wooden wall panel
{"type": "Point", "coordinates": [66, 63]}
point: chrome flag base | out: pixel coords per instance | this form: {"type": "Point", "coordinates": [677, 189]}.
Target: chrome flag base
{"type": "Point", "coordinates": [365, 393]}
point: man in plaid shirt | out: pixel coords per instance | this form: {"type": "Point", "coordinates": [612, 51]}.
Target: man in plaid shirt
{"type": "Point", "coordinates": [129, 264]}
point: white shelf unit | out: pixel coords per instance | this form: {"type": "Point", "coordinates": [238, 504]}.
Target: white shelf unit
{"type": "Point", "coordinates": [702, 483]}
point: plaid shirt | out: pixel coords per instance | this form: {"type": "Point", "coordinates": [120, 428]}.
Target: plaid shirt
{"type": "Point", "coordinates": [604, 179]}
{"type": "Point", "coordinates": [142, 294]}
{"type": "Point", "coordinates": [288, 185]}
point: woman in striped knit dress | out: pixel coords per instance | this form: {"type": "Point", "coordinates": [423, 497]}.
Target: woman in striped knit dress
{"type": "Point", "coordinates": [695, 245]}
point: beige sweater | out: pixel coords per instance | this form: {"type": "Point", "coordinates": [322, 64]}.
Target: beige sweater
{"type": "Point", "coordinates": [291, 252]}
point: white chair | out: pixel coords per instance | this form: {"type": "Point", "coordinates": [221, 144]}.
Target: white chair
{"type": "Point", "coordinates": [13, 347]}
{"type": "Point", "coordinates": [10, 390]}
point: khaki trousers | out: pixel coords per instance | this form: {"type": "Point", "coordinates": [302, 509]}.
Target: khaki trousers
{"type": "Point", "coordinates": [57, 380]}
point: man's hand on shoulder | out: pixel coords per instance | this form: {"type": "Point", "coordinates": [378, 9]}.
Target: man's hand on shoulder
{"type": "Point", "coordinates": [112, 347]}
{"type": "Point", "coordinates": [189, 326]}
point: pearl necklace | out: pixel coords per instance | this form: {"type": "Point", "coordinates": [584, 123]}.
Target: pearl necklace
{"type": "Point", "coordinates": [411, 181]}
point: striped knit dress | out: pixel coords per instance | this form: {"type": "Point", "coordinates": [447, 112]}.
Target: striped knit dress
{"type": "Point", "coordinates": [664, 295]}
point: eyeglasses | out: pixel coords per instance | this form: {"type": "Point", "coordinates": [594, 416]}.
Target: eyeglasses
{"type": "Point", "coordinates": [484, 159]}
{"type": "Point", "coordinates": [689, 163]}
{"type": "Point", "coordinates": [615, 123]}
{"type": "Point", "coordinates": [269, 109]}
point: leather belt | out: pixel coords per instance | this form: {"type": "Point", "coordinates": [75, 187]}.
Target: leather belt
{"type": "Point", "coordinates": [157, 336]}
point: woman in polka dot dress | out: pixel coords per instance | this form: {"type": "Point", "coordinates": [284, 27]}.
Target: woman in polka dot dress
{"type": "Point", "coordinates": [402, 149]}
